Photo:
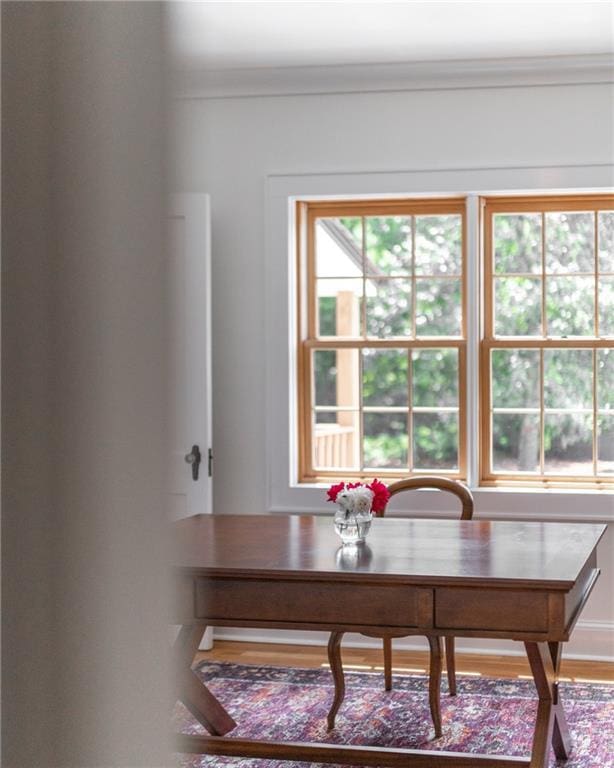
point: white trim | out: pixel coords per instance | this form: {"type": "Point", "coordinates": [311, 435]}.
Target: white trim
{"type": "Point", "coordinates": [206, 642]}
{"type": "Point", "coordinates": [194, 209]}
{"type": "Point", "coordinates": [521, 506]}
{"type": "Point", "coordinates": [592, 640]}
{"type": "Point", "coordinates": [283, 495]}
{"type": "Point", "coordinates": [535, 71]}
{"type": "Point", "coordinates": [443, 182]}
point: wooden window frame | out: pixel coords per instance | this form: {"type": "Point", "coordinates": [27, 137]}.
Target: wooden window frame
{"type": "Point", "coordinates": [307, 340]}
{"type": "Point", "coordinates": [489, 206]}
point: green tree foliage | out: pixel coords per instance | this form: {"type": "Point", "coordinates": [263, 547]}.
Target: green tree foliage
{"type": "Point", "coordinates": [389, 376]}
{"type": "Point", "coordinates": [433, 376]}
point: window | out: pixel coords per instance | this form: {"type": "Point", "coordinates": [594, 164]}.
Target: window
{"type": "Point", "coordinates": [382, 345]}
{"type": "Point", "coordinates": [547, 366]}
{"type": "Point", "coordinates": [382, 339]}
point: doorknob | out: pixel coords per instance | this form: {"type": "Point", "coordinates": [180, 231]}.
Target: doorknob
{"type": "Point", "coordinates": [194, 458]}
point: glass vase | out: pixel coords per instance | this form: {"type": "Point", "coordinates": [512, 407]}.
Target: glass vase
{"type": "Point", "coordinates": [352, 527]}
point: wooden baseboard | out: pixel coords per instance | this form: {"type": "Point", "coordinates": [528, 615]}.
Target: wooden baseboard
{"type": "Point", "coordinates": [370, 659]}
{"type": "Point", "coordinates": [591, 641]}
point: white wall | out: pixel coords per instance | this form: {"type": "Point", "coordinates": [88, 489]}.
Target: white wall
{"type": "Point", "coordinates": [230, 147]}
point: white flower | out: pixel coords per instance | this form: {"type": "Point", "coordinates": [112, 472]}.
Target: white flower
{"type": "Point", "coordinates": [356, 500]}
{"type": "Point", "coordinates": [362, 500]}
{"type": "Point", "coordinates": [345, 501]}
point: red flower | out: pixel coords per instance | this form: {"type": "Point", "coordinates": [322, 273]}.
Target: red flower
{"type": "Point", "coordinates": [381, 494]}
{"type": "Point", "coordinates": [334, 490]}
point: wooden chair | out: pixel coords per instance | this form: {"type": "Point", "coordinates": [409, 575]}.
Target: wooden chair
{"type": "Point", "coordinates": [334, 644]}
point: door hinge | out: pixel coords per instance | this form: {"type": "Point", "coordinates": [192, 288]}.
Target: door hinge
{"type": "Point", "coordinates": [210, 462]}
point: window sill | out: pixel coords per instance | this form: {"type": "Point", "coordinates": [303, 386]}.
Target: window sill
{"type": "Point", "coordinates": [509, 503]}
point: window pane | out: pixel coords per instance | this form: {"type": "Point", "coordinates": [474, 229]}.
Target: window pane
{"type": "Point", "coordinates": [515, 442]}
{"type": "Point", "coordinates": [606, 241]}
{"type": "Point", "coordinates": [605, 445]}
{"type": "Point", "coordinates": [570, 242]}
{"type": "Point", "coordinates": [388, 245]}
{"type": "Point", "coordinates": [515, 378]}
{"type": "Point", "coordinates": [339, 247]}
{"type": "Point", "coordinates": [518, 306]}
{"type": "Point", "coordinates": [517, 242]}
{"type": "Point", "coordinates": [438, 245]}
{"type": "Point", "coordinates": [606, 306]}
{"type": "Point", "coordinates": [570, 306]}
{"type": "Point", "coordinates": [339, 303]}
{"type": "Point", "coordinates": [388, 308]}
{"type": "Point", "coordinates": [438, 307]}
{"type": "Point", "coordinates": [434, 378]}
{"type": "Point", "coordinates": [336, 440]}
{"type": "Point", "coordinates": [385, 440]}
{"type": "Point", "coordinates": [336, 377]}
{"type": "Point", "coordinates": [435, 438]}
{"type": "Point", "coordinates": [568, 444]}
{"type": "Point", "coordinates": [605, 379]}
{"type": "Point", "coordinates": [384, 377]}
{"type": "Point", "coordinates": [568, 378]}
{"type": "Point", "coordinates": [325, 377]}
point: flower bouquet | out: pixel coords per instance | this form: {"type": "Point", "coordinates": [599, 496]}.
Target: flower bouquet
{"type": "Point", "coordinates": [356, 503]}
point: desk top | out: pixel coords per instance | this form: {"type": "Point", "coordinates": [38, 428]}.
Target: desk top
{"type": "Point", "coordinates": [413, 551]}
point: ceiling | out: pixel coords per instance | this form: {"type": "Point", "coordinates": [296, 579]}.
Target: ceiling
{"type": "Point", "coordinates": [231, 35]}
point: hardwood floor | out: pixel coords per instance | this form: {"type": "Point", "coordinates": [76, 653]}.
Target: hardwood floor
{"type": "Point", "coordinates": [403, 661]}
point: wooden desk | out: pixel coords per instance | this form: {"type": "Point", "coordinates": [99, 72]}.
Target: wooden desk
{"type": "Point", "coordinates": [512, 580]}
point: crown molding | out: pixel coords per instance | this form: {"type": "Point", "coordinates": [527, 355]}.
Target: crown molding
{"type": "Point", "coordinates": [406, 76]}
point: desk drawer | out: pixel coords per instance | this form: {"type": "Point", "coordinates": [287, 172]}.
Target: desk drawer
{"type": "Point", "coordinates": [491, 609]}
{"type": "Point", "coordinates": [306, 601]}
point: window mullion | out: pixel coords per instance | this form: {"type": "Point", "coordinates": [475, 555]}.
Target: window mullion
{"type": "Point", "coordinates": [595, 417]}
{"type": "Point", "coordinates": [410, 415]}
{"type": "Point", "coordinates": [543, 293]}
{"type": "Point", "coordinates": [596, 326]}
{"type": "Point", "coordinates": [361, 357]}
{"type": "Point", "coordinates": [410, 354]}
{"type": "Point", "coordinates": [473, 303]}
{"type": "Point", "coordinates": [413, 277]}
{"type": "Point", "coordinates": [596, 247]}
{"type": "Point", "coordinates": [542, 414]}
{"type": "Point", "coordinates": [361, 414]}
{"type": "Point", "coordinates": [542, 411]}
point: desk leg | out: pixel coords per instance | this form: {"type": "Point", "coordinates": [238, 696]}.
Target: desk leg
{"type": "Point", "coordinates": [336, 666]}
{"type": "Point", "coordinates": [192, 692]}
{"type": "Point", "coordinates": [435, 682]}
{"type": "Point", "coordinates": [561, 738]}
{"type": "Point", "coordinates": [551, 725]}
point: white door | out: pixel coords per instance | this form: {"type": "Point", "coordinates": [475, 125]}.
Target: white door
{"type": "Point", "coordinates": [190, 345]}
{"type": "Point", "coordinates": [189, 278]}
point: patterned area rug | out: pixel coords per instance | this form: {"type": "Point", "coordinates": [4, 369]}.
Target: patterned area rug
{"type": "Point", "coordinates": [488, 715]}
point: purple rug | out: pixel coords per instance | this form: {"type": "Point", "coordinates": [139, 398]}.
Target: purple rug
{"type": "Point", "coordinates": [488, 715]}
